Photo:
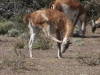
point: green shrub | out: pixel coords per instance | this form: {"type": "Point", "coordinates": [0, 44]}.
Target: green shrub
{"type": "Point", "coordinates": [13, 32]}
{"type": "Point", "coordinates": [6, 26]}
{"type": "Point", "coordinates": [76, 33]}
{"type": "Point", "coordinates": [12, 28]}
{"type": "Point", "coordinates": [19, 44]}
{"type": "Point", "coordinates": [21, 41]}
{"type": "Point", "coordinates": [23, 27]}
{"type": "Point", "coordinates": [9, 24]}
{"type": "Point", "coordinates": [25, 36]}
{"type": "Point", "coordinates": [42, 44]}
{"type": "Point", "coordinates": [78, 42]}
{"type": "Point", "coordinates": [3, 28]}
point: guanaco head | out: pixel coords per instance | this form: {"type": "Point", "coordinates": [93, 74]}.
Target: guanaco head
{"type": "Point", "coordinates": [65, 45]}
{"type": "Point", "coordinates": [95, 25]}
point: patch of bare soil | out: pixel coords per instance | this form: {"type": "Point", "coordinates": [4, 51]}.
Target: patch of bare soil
{"type": "Point", "coordinates": [79, 59]}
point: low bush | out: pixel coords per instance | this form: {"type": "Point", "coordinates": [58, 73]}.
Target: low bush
{"type": "Point", "coordinates": [76, 31]}
{"type": "Point", "coordinates": [13, 32]}
{"type": "Point", "coordinates": [19, 42]}
{"type": "Point", "coordinates": [12, 28]}
{"type": "Point", "coordinates": [42, 43]}
{"type": "Point", "coordinates": [6, 26]}
{"type": "Point", "coordinates": [3, 29]}
{"type": "Point", "coordinates": [90, 60]}
{"type": "Point", "coordinates": [78, 42]}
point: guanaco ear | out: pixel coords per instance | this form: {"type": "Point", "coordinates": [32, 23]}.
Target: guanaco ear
{"type": "Point", "coordinates": [50, 5]}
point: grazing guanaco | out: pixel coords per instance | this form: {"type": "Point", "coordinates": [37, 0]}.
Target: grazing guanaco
{"type": "Point", "coordinates": [50, 21]}
{"type": "Point", "coordinates": [95, 24]}
{"type": "Point", "coordinates": [74, 10]}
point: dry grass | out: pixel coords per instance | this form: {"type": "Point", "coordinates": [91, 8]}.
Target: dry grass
{"type": "Point", "coordinates": [79, 59]}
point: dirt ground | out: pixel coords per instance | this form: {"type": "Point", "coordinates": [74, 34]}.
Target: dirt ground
{"type": "Point", "coordinates": [82, 59]}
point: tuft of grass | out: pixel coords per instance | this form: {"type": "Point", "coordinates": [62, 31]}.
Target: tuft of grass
{"type": "Point", "coordinates": [78, 42]}
{"type": "Point", "coordinates": [14, 62]}
{"type": "Point", "coordinates": [17, 62]}
{"type": "Point", "coordinates": [76, 33]}
{"type": "Point", "coordinates": [42, 43]}
{"type": "Point", "coordinates": [91, 60]}
{"type": "Point", "coordinates": [19, 42]}
{"type": "Point", "coordinates": [13, 32]}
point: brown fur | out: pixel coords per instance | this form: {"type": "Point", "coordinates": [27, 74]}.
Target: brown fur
{"type": "Point", "coordinates": [73, 5]}
{"type": "Point", "coordinates": [60, 20]}
{"type": "Point", "coordinates": [98, 21]}
{"type": "Point", "coordinates": [25, 18]}
{"type": "Point", "coordinates": [48, 20]}
{"type": "Point", "coordinates": [81, 11]}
